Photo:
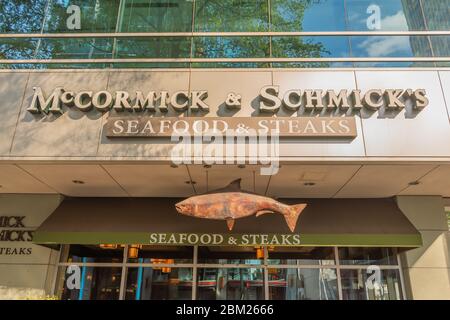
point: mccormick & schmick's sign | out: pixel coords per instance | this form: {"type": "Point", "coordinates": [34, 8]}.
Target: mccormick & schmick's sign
{"type": "Point", "coordinates": [320, 113]}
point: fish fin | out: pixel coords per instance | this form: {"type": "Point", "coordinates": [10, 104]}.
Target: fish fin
{"type": "Point", "coordinates": [230, 224]}
{"type": "Point", "coordinates": [259, 213]}
{"type": "Point", "coordinates": [235, 185]}
{"type": "Point", "coordinates": [293, 214]}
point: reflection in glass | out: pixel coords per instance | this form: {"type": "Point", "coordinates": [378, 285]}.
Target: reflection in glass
{"type": "Point", "coordinates": [301, 256]}
{"type": "Point", "coordinates": [80, 48]}
{"type": "Point", "coordinates": [303, 284]}
{"type": "Point", "coordinates": [294, 15]}
{"type": "Point", "coordinates": [390, 46]}
{"type": "Point", "coordinates": [441, 46]}
{"type": "Point", "coordinates": [173, 47]}
{"type": "Point", "coordinates": [96, 16]}
{"type": "Point", "coordinates": [89, 254]}
{"type": "Point", "coordinates": [22, 16]}
{"type": "Point", "coordinates": [230, 284]}
{"type": "Point", "coordinates": [367, 256]}
{"type": "Point", "coordinates": [437, 14]}
{"type": "Point", "coordinates": [17, 48]}
{"type": "Point", "coordinates": [96, 283]}
{"type": "Point", "coordinates": [159, 284]}
{"type": "Point", "coordinates": [382, 15]}
{"type": "Point", "coordinates": [156, 16]}
{"type": "Point", "coordinates": [231, 15]}
{"type": "Point", "coordinates": [229, 255]}
{"type": "Point", "coordinates": [356, 285]}
{"type": "Point", "coordinates": [164, 254]}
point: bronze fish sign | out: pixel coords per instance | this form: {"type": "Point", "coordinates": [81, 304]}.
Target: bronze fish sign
{"type": "Point", "coordinates": [232, 203]}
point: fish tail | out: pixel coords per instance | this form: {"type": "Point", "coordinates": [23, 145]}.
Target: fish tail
{"type": "Point", "coordinates": [292, 215]}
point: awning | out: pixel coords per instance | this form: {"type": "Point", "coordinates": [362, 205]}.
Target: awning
{"type": "Point", "coordinates": [324, 222]}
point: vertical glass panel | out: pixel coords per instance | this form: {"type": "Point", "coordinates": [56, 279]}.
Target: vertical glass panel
{"type": "Point", "coordinates": [165, 47]}
{"type": "Point", "coordinates": [390, 46]}
{"type": "Point", "coordinates": [17, 48]}
{"type": "Point", "coordinates": [229, 255]}
{"type": "Point", "coordinates": [82, 16]}
{"type": "Point", "coordinates": [304, 15]}
{"type": "Point", "coordinates": [231, 15]}
{"type": "Point", "coordinates": [303, 284]}
{"type": "Point", "coordinates": [22, 16]}
{"type": "Point", "coordinates": [368, 256]}
{"type": "Point", "coordinates": [231, 47]}
{"type": "Point", "coordinates": [441, 46]}
{"type": "Point", "coordinates": [382, 15]}
{"type": "Point", "coordinates": [163, 254]}
{"type": "Point", "coordinates": [156, 16]}
{"type": "Point", "coordinates": [159, 284]}
{"type": "Point", "coordinates": [301, 256]}
{"type": "Point", "coordinates": [96, 283]}
{"type": "Point", "coordinates": [230, 284]}
{"type": "Point", "coordinates": [437, 13]}
{"type": "Point", "coordinates": [90, 254]}
{"type": "Point", "coordinates": [78, 48]}
{"type": "Point", "coordinates": [310, 47]}
{"type": "Point", "coordinates": [356, 285]}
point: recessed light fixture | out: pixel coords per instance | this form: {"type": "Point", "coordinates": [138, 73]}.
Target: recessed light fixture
{"type": "Point", "coordinates": [309, 184]}
{"type": "Point", "coordinates": [190, 182]}
{"type": "Point", "coordinates": [414, 183]}
{"type": "Point", "coordinates": [78, 181]}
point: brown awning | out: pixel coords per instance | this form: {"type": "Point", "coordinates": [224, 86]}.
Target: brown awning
{"type": "Point", "coordinates": [343, 222]}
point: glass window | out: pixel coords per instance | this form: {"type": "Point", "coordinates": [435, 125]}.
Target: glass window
{"type": "Point", "coordinates": [17, 48]}
{"type": "Point", "coordinates": [437, 14]}
{"type": "Point", "coordinates": [78, 48]}
{"type": "Point", "coordinates": [303, 284]}
{"type": "Point", "coordinates": [96, 283]}
{"type": "Point", "coordinates": [390, 46]}
{"type": "Point", "coordinates": [382, 15]}
{"type": "Point", "coordinates": [91, 254]}
{"type": "Point", "coordinates": [22, 16]}
{"type": "Point", "coordinates": [94, 16]}
{"type": "Point", "coordinates": [301, 15]}
{"type": "Point", "coordinates": [159, 284]}
{"type": "Point", "coordinates": [230, 255]}
{"type": "Point", "coordinates": [301, 256]}
{"type": "Point", "coordinates": [156, 16]}
{"type": "Point", "coordinates": [367, 256]}
{"type": "Point", "coordinates": [230, 284]}
{"type": "Point", "coordinates": [441, 46]}
{"type": "Point", "coordinates": [356, 285]}
{"type": "Point", "coordinates": [170, 47]}
{"type": "Point", "coordinates": [163, 254]}
{"type": "Point", "coordinates": [231, 15]}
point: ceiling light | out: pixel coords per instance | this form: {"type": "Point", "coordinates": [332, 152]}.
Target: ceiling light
{"type": "Point", "coordinates": [78, 181]}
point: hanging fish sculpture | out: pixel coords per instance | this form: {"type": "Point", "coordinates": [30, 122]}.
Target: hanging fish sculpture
{"type": "Point", "coordinates": [232, 203]}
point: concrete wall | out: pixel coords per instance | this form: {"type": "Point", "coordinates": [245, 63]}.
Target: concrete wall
{"type": "Point", "coordinates": [76, 135]}
{"type": "Point", "coordinates": [427, 269]}
{"type": "Point", "coordinates": [35, 270]}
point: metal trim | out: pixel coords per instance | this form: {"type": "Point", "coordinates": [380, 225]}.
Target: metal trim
{"type": "Point", "coordinates": [222, 34]}
{"type": "Point", "coordinates": [224, 60]}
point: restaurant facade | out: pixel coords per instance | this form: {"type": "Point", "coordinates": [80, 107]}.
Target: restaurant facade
{"type": "Point", "coordinates": [225, 150]}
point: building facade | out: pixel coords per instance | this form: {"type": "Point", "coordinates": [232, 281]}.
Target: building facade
{"type": "Point", "coordinates": [114, 112]}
